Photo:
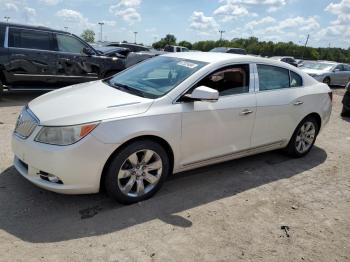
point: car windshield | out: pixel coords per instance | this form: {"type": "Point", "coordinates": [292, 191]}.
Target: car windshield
{"type": "Point", "coordinates": [155, 77]}
{"type": "Point", "coordinates": [318, 66]}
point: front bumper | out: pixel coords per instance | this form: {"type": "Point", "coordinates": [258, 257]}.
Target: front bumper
{"type": "Point", "coordinates": [79, 166]}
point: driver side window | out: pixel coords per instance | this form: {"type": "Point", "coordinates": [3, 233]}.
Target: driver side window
{"type": "Point", "coordinates": [69, 44]}
{"type": "Point", "coordinates": [229, 80]}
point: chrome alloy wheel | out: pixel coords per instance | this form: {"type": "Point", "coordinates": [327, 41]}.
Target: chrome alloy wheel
{"type": "Point", "coordinates": [140, 173]}
{"type": "Point", "coordinates": [305, 137]}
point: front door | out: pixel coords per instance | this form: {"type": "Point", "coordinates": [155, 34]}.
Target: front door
{"type": "Point", "coordinates": [73, 66]}
{"type": "Point", "coordinates": [215, 130]}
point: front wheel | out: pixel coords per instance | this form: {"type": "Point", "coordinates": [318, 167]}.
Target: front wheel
{"type": "Point", "coordinates": [327, 81]}
{"type": "Point", "coordinates": [137, 172]}
{"type": "Point", "coordinates": [303, 138]}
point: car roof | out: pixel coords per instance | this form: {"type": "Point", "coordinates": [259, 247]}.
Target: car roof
{"type": "Point", "coordinates": [37, 27]}
{"type": "Point", "coordinates": [212, 57]}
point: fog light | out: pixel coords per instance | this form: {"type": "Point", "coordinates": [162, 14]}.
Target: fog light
{"type": "Point", "coordinates": [50, 178]}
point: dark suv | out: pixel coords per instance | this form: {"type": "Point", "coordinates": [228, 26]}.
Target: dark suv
{"type": "Point", "coordinates": [42, 58]}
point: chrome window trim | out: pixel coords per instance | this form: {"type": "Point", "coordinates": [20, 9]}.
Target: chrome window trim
{"type": "Point", "coordinates": [28, 29]}
{"type": "Point", "coordinates": [257, 90]}
{"type": "Point", "coordinates": [46, 31]}
{"type": "Point", "coordinates": [77, 38]}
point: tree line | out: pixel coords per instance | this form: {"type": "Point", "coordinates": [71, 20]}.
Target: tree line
{"type": "Point", "coordinates": [263, 48]}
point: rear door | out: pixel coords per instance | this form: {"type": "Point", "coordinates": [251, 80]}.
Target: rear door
{"type": "Point", "coordinates": [31, 60]}
{"type": "Point", "coordinates": [279, 105]}
{"type": "Point", "coordinates": [73, 66]}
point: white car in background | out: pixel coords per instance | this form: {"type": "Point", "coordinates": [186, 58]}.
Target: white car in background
{"type": "Point", "coordinates": [330, 73]}
{"type": "Point", "coordinates": [169, 114]}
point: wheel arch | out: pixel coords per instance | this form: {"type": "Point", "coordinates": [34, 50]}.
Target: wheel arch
{"type": "Point", "coordinates": [153, 138]}
{"type": "Point", "coordinates": [318, 119]}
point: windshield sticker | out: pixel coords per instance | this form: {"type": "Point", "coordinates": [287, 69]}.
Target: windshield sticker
{"type": "Point", "coordinates": [187, 64]}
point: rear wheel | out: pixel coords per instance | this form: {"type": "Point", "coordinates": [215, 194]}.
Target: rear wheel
{"type": "Point", "coordinates": [327, 81]}
{"type": "Point", "coordinates": [137, 172]}
{"type": "Point", "coordinates": [303, 138]}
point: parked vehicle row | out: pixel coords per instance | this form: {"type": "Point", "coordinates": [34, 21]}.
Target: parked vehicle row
{"type": "Point", "coordinates": [169, 114]}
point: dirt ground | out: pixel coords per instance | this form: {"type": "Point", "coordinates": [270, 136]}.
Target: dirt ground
{"type": "Point", "coordinates": [263, 208]}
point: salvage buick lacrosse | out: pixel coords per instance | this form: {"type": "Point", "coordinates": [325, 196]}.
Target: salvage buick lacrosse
{"type": "Point", "coordinates": [168, 114]}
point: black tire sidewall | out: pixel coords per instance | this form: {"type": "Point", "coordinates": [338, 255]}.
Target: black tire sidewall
{"type": "Point", "coordinates": [291, 148]}
{"type": "Point", "coordinates": [327, 80]}
{"type": "Point", "coordinates": [111, 182]}
{"type": "Point", "coordinates": [1, 89]}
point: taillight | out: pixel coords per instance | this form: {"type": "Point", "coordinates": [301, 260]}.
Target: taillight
{"type": "Point", "coordinates": [330, 95]}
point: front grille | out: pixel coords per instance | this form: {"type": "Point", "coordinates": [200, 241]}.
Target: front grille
{"type": "Point", "coordinates": [26, 123]}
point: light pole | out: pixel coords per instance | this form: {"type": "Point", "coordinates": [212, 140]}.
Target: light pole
{"type": "Point", "coordinates": [7, 18]}
{"type": "Point", "coordinates": [101, 24]}
{"type": "Point", "coordinates": [221, 33]}
{"type": "Point", "coordinates": [307, 40]}
{"type": "Point", "coordinates": [135, 36]}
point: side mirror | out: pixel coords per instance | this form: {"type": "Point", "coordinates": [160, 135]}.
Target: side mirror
{"type": "Point", "coordinates": [336, 70]}
{"type": "Point", "coordinates": [204, 93]}
{"type": "Point", "coordinates": [88, 51]}
{"type": "Point", "coordinates": [120, 56]}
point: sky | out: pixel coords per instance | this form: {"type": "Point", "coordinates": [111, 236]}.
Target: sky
{"type": "Point", "coordinates": [327, 21]}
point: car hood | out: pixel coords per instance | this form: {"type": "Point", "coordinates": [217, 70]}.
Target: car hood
{"type": "Point", "coordinates": [87, 102]}
{"type": "Point", "coordinates": [313, 71]}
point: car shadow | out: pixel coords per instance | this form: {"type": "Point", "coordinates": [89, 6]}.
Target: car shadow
{"type": "Point", "coordinates": [18, 98]}
{"type": "Point", "coordinates": [39, 216]}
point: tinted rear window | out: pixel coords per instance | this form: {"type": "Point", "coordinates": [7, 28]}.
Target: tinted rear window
{"type": "Point", "coordinates": [31, 39]}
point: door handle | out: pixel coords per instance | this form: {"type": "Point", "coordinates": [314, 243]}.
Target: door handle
{"type": "Point", "coordinates": [298, 103]}
{"type": "Point", "coordinates": [246, 112]}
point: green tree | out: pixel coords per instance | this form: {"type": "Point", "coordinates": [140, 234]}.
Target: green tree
{"type": "Point", "coordinates": [169, 39]}
{"type": "Point", "coordinates": [88, 35]}
{"type": "Point", "coordinates": [185, 44]}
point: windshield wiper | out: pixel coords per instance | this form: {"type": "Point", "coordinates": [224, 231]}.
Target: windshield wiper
{"type": "Point", "coordinates": [128, 89]}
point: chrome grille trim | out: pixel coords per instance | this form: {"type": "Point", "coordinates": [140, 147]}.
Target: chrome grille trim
{"type": "Point", "coordinates": [26, 123]}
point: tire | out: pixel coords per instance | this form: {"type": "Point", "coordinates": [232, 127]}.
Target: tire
{"type": "Point", "coordinates": [327, 81]}
{"type": "Point", "coordinates": [128, 180]}
{"type": "Point", "coordinates": [1, 90]}
{"type": "Point", "coordinates": [345, 112]}
{"type": "Point", "coordinates": [306, 138]}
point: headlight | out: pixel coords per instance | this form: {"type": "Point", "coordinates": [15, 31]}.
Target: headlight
{"type": "Point", "coordinates": [64, 135]}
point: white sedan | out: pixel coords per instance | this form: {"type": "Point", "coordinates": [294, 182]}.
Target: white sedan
{"type": "Point", "coordinates": [168, 114]}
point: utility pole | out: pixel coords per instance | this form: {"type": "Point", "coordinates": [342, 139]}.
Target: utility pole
{"type": "Point", "coordinates": [135, 36]}
{"type": "Point", "coordinates": [101, 24]}
{"type": "Point", "coordinates": [221, 32]}
{"type": "Point", "coordinates": [307, 40]}
{"type": "Point", "coordinates": [7, 18]}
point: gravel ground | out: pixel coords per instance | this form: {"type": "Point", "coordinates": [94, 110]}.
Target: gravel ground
{"type": "Point", "coordinates": [263, 208]}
